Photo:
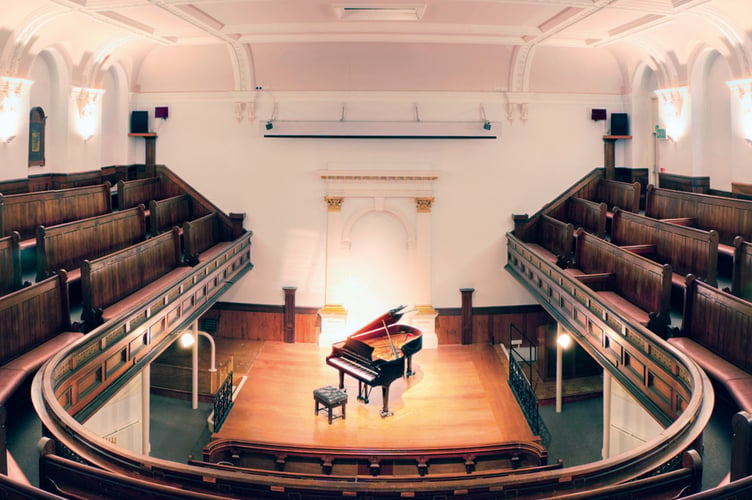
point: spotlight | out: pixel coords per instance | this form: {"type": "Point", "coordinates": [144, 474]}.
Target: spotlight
{"type": "Point", "coordinates": [269, 125]}
{"type": "Point", "coordinates": [487, 125]}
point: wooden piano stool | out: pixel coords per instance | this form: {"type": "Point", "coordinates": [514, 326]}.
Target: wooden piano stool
{"type": "Point", "coordinates": [330, 397]}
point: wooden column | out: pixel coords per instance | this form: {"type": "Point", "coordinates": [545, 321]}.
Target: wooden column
{"type": "Point", "coordinates": [609, 157]}
{"type": "Point", "coordinates": [467, 315]}
{"type": "Point", "coordinates": [741, 445]}
{"type": "Point", "coordinates": [289, 314]}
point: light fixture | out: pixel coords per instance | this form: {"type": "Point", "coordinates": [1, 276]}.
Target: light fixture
{"type": "Point", "coordinates": [269, 125]}
{"type": "Point", "coordinates": [564, 340]}
{"type": "Point", "coordinates": [486, 123]}
{"type": "Point", "coordinates": [8, 140]}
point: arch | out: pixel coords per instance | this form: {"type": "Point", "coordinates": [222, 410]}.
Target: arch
{"type": "Point", "coordinates": [37, 121]}
{"type": "Point", "coordinates": [711, 117]}
{"type": "Point", "coordinates": [51, 91]}
{"type": "Point", "coordinates": [644, 116]}
{"type": "Point", "coordinates": [114, 127]}
{"type": "Point", "coordinates": [410, 237]}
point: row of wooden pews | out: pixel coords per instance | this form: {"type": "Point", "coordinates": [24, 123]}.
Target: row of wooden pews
{"type": "Point", "coordinates": [689, 234]}
{"type": "Point", "coordinates": [82, 237]}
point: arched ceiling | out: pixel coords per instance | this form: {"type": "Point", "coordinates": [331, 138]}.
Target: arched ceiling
{"type": "Point", "coordinates": [341, 45]}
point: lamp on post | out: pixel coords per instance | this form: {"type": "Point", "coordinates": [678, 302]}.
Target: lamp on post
{"type": "Point", "coordinates": [563, 341]}
{"type": "Point", "coordinates": [190, 339]}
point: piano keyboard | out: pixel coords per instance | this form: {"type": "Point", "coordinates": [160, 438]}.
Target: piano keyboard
{"type": "Point", "coordinates": [358, 371]}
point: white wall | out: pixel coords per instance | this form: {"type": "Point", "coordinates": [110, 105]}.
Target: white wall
{"type": "Point", "coordinates": [631, 425]}
{"type": "Point", "coordinates": [481, 184]}
{"type": "Point", "coordinates": [119, 420]}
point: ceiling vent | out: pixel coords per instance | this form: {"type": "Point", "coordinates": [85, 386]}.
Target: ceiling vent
{"type": "Point", "coordinates": [379, 12]}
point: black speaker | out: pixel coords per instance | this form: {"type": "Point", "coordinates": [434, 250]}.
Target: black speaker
{"type": "Point", "coordinates": [619, 124]}
{"type": "Point", "coordinates": [139, 122]}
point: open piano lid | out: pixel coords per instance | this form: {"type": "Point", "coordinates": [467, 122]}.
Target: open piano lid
{"type": "Point", "coordinates": [389, 318]}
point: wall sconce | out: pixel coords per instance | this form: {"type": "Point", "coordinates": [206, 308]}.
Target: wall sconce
{"type": "Point", "coordinates": [743, 91]}
{"type": "Point", "coordinates": [269, 125]}
{"type": "Point", "coordinates": [86, 100]}
{"type": "Point", "coordinates": [10, 104]}
{"type": "Point", "coordinates": [673, 110]}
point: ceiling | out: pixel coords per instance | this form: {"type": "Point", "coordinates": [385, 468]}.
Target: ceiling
{"type": "Point", "coordinates": [362, 44]}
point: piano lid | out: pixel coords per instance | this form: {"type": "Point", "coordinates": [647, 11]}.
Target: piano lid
{"type": "Point", "coordinates": [390, 317]}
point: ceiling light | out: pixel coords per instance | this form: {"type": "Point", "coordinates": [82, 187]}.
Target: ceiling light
{"type": "Point", "coordinates": [380, 12]}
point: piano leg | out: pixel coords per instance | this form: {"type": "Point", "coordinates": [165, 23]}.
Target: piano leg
{"type": "Point", "coordinates": [409, 366]}
{"type": "Point", "coordinates": [363, 391]}
{"type": "Point", "coordinates": [385, 396]}
{"type": "Point", "coordinates": [342, 381]}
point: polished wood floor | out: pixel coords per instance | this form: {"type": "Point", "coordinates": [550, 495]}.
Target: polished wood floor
{"type": "Point", "coordinates": [458, 397]}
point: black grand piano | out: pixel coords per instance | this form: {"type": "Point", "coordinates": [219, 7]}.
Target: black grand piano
{"type": "Point", "coordinates": [376, 354]}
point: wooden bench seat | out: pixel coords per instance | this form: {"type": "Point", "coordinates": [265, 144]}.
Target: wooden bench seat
{"type": "Point", "coordinates": [734, 379]}
{"type": "Point", "coordinates": [16, 371]}
{"type": "Point", "coordinates": [135, 299]}
{"type": "Point", "coordinates": [631, 282]}
{"type": "Point", "coordinates": [715, 333]}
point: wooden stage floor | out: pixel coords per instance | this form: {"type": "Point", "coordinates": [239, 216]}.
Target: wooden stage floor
{"type": "Point", "coordinates": [458, 397]}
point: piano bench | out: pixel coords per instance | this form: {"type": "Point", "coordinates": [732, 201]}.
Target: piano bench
{"type": "Point", "coordinates": [330, 397]}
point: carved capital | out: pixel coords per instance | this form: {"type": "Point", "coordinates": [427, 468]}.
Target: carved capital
{"type": "Point", "coordinates": [423, 205]}
{"type": "Point", "coordinates": [334, 203]}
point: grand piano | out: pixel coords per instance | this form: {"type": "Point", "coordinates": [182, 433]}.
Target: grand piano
{"type": "Point", "coordinates": [377, 354]}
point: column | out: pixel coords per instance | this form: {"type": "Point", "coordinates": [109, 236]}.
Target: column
{"type": "Point", "coordinates": [606, 415]}
{"type": "Point", "coordinates": [333, 314]}
{"type": "Point", "coordinates": [194, 372]}
{"type": "Point", "coordinates": [425, 316]}
{"type": "Point", "coordinates": [467, 315]}
{"type": "Point", "coordinates": [146, 410]}
{"type": "Point", "coordinates": [289, 314]}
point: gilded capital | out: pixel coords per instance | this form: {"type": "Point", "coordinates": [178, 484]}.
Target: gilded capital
{"type": "Point", "coordinates": [334, 203]}
{"type": "Point", "coordinates": [423, 204]}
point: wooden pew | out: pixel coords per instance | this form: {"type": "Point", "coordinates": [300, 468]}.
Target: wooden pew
{"type": "Point", "coordinates": [688, 250]}
{"type": "Point", "coordinates": [203, 238]}
{"type": "Point", "coordinates": [624, 195]}
{"type": "Point", "coordinates": [139, 191]}
{"type": "Point", "coordinates": [715, 332]}
{"type": "Point", "coordinates": [114, 284]}
{"type": "Point", "coordinates": [632, 283]}
{"type": "Point", "coordinates": [587, 214]}
{"type": "Point", "coordinates": [36, 325]}
{"type": "Point", "coordinates": [741, 188]}
{"type": "Point", "coordinates": [687, 183]}
{"type": "Point", "coordinates": [14, 186]}
{"type": "Point", "coordinates": [730, 217]}
{"type": "Point", "coordinates": [66, 246]}
{"type": "Point", "coordinates": [741, 279]}
{"type": "Point", "coordinates": [10, 263]}
{"type": "Point", "coordinates": [24, 212]}
{"type": "Point", "coordinates": [169, 212]}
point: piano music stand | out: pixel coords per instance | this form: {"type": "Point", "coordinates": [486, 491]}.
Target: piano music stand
{"type": "Point", "coordinates": [330, 397]}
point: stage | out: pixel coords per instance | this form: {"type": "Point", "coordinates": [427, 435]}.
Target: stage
{"type": "Point", "coordinates": [458, 397]}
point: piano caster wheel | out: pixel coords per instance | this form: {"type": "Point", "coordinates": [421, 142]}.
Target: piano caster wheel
{"type": "Point", "coordinates": [385, 414]}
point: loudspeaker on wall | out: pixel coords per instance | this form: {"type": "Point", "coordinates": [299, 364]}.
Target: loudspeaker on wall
{"type": "Point", "coordinates": [139, 122]}
{"type": "Point", "coordinates": [619, 124]}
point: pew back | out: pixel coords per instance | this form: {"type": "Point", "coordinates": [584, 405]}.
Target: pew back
{"type": "Point", "coordinates": [686, 249]}
{"type": "Point", "coordinates": [65, 246]}
{"type": "Point", "coordinates": [10, 263]}
{"type": "Point", "coordinates": [33, 315]}
{"type": "Point", "coordinates": [24, 212]}
{"type": "Point", "coordinates": [169, 212]}
{"type": "Point", "coordinates": [200, 234]}
{"type": "Point", "coordinates": [718, 321]}
{"type": "Point", "coordinates": [730, 217]}
{"type": "Point", "coordinates": [108, 279]}
{"type": "Point", "coordinates": [643, 282]}
{"type": "Point", "coordinates": [741, 282]}
{"type": "Point", "coordinates": [587, 214]}
{"type": "Point", "coordinates": [624, 195]}
{"type": "Point", "coordinates": [139, 191]}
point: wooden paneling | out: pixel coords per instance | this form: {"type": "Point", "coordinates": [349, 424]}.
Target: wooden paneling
{"type": "Point", "coordinates": [24, 212]}
{"type": "Point", "coordinates": [33, 315]}
{"type": "Point", "coordinates": [108, 279]}
{"type": "Point", "coordinates": [730, 217]}
{"type": "Point", "coordinates": [677, 182]}
{"type": "Point", "coordinates": [66, 246]}
{"type": "Point", "coordinates": [131, 193]}
{"type": "Point", "coordinates": [688, 250]}
{"type": "Point", "coordinates": [10, 263]}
